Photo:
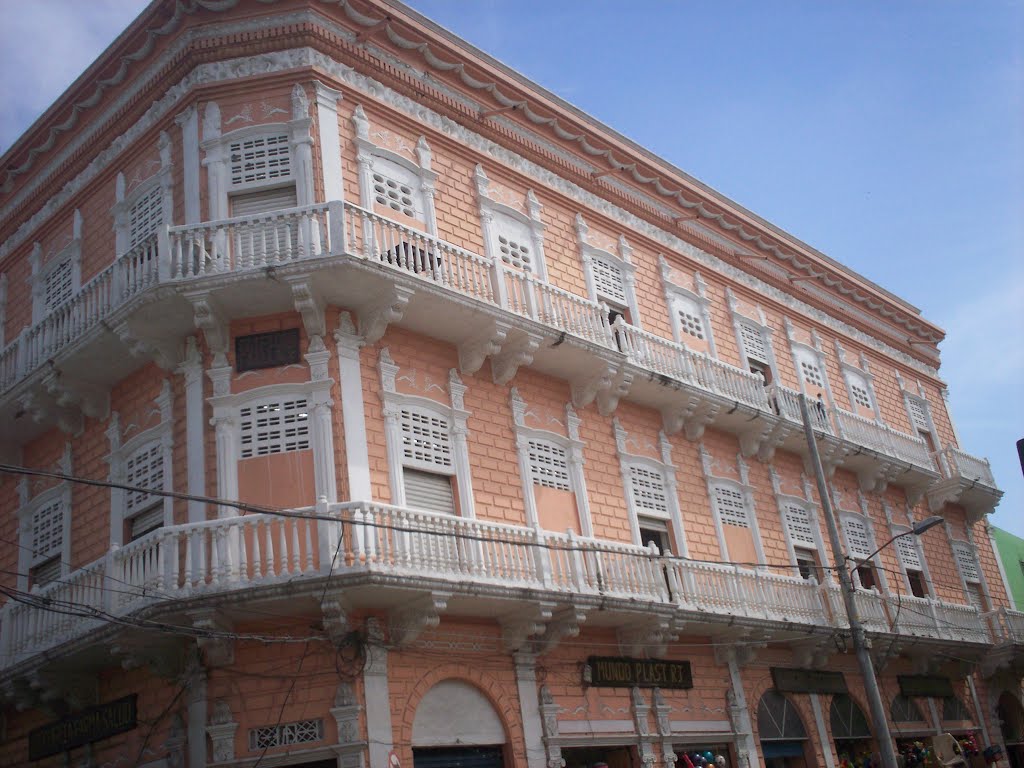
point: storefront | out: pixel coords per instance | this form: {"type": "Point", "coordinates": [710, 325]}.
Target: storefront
{"type": "Point", "coordinates": [1011, 718]}
{"type": "Point", "coordinates": [782, 732]}
{"type": "Point", "coordinates": [912, 731]}
{"type": "Point", "coordinates": [456, 726]}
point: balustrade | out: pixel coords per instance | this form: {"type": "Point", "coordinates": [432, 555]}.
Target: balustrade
{"type": "Point", "coordinates": [956, 463]}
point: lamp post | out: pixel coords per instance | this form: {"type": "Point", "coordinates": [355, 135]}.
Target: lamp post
{"type": "Point", "coordinates": [860, 646]}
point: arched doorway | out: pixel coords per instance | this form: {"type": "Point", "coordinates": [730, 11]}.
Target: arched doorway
{"type": "Point", "coordinates": [783, 737]}
{"type": "Point", "coordinates": [1011, 725]}
{"type": "Point", "coordinates": [457, 727]}
{"type": "Point", "coordinates": [850, 732]}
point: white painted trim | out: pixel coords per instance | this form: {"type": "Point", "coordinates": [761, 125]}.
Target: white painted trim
{"type": "Point", "coordinates": [814, 353]}
{"type": "Point", "coordinates": [353, 415]}
{"type": "Point", "coordinates": [328, 132]}
{"type": "Point", "coordinates": [761, 323]}
{"type": "Point", "coordinates": [3, 309]}
{"type": "Point", "coordinates": [567, 727]}
{"type": "Point", "coordinates": [71, 251]}
{"type": "Point", "coordinates": [811, 508]}
{"type": "Point", "coordinates": [823, 738]}
{"type": "Point", "coordinates": [677, 297]}
{"type": "Point", "coordinates": [742, 486]}
{"type": "Point", "coordinates": [529, 709]}
{"type": "Point", "coordinates": [195, 428]}
{"type": "Point", "coordinates": [305, 57]}
{"type": "Point", "coordinates": [188, 121]}
{"type": "Point", "coordinates": [862, 372]}
{"type": "Point", "coordinates": [27, 508]}
{"type": "Point", "coordinates": [622, 261]}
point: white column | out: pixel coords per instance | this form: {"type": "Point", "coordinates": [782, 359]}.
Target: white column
{"type": "Point", "coordinates": [195, 442]}
{"type": "Point", "coordinates": [216, 164]}
{"type": "Point", "coordinates": [529, 709]}
{"type": "Point", "coordinates": [819, 726]}
{"type": "Point", "coordinates": [977, 708]}
{"type": "Point", "coordinates": [936, 720]}
{"type": "Point", "coordinates": [378, 698]}
{"type": "Point", "coordinates": [188, 121]}
{"type": "Point", "coordinates": [227, 462]}
{"type": "Point", "coordinates": [742, 710]}
{"type": "Point", "coordinates": [350, 380]}
{"type": "Point", "coordinates": [197, 719]}
{"type": "Point", "coordinates": [322, 427]}
{"type": "Point", "coordinates": [330, 142]}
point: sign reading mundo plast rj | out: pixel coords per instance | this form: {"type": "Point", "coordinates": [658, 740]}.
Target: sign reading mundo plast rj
{"type": "Point", "coordinates": [624, 672]}
{"type": "Point", "coordinates": [87, 726]}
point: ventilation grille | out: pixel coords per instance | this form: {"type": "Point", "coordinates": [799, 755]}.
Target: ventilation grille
{"type": "Point", "coordinates": [690, 324]}
{"type": "Point", "coordinates": [282, 735]}
{"type": "Point", "coordinates": [145, 216]}
{"type": "Point", "coordinates": [47, 531]}
{"type": "Point", "coordinates": [395, 187]}
{"type": "Point", "coordinates": [860, 394]}
{"type": "Point", "coordinates": [260, 159]}
{"type": "Point", "coordinates": [515, 253]}
{"type": "Point", "coordinates": [274, 427]}
{"type": "Point", "coordinates": [548, 465]}
{"type": "Point", "coordinates": [731, 507]}
{"type": "Point", "coordinates": [608, 281]}
{"type": "Point", "coordinates": [426, 440]}
{"type": "Point", "coordinates": [858, 537]}
{"type": "Point", "coordinates": [754, 345]}
{"type": "Point", "coordinates": [812, 374]}
{"type": "Point", "coordinates": [58, 286]}
{"type": "Point", "coordinates": [798, 523]}
{"type": "Point", "coordinates": [918, 413]}
{"type": "Point", "coordinates": [967, 562]}
{"type": "Point", "coordinates": [144, 469]}
{"type": "Point", "coordinates": [906, 546]}
{"type": "Point", "coordinates": [648, 487]}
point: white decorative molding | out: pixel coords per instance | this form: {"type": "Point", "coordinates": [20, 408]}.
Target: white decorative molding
{"type": "Point", "coordinates": [191, 369]}
{"type": "Point", "coordinates": [696, 302]}
{"type": "Point", "coordinates": [294, 58]}
{"type": "Point", "coordinates": [806, 505]}
{"type": "Point", "coordinates": [742, 487]}
{"type": "Point", "coordinates": [221, 731]}
{"type": "Point", "coordinates": [43, 268]}
{"type": "Point", "coordinates": [600, 268]}
{"type": "Point", "coordinates": [327, 99]}
{"type": "Point", "coordinates": [353, 415]}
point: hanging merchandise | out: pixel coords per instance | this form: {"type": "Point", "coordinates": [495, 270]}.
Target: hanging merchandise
{"type": "Point", "coordinates": [703, 760]}
{"type": "Point", "coordinates": [859, 759]}
{"type": "Point", "coordinates": [914, 753]}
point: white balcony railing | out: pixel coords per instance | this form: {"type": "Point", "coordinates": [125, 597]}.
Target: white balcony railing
{"type": "Point", "coordinates": [184, 253]}
{"type": "Point", "coordinates": [223, 555]}
{"type": "Point", "coordinates": [956, 463]}
{"type": "Point", "coordinates": [1007, 626]}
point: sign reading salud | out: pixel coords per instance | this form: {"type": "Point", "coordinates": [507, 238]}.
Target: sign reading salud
{"type": "Point", "coordinates": [624, 672]}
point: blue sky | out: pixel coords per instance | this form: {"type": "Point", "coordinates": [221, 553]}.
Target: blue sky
{"type": "Point", "coordinates": [888, 135]}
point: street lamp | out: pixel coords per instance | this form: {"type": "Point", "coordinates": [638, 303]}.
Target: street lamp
{"type": "Point", "coordinates": [867, 669]}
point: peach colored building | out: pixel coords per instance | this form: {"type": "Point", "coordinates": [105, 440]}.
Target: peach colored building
{"type": "Point", "coordinates": [364, 404]}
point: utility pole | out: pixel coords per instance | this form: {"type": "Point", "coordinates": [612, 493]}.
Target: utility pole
{"type": "Point", "coordinates": [867, 669]}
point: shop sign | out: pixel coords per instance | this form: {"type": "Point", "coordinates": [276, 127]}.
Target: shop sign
{"type": "Point", "coordinates": [266, 350]}
{"type": "Point", "coordinates": [86, 727]}
{"type": "Point", "coordinates": [925, 685]}
{"type": "Point", "coordinates": [623, 672]}
{"type": "Point", "coordinates": [808, 681]}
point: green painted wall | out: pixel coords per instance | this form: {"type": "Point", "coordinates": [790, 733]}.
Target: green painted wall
{"type": "Point", "coordinates": [1011, 552]}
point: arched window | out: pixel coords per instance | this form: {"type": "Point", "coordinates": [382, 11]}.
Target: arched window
{"type": "Point", "coordinates": [1011, 719]}
{"type": "Point", "coordinates": [847, 719]}
{"type": "Point", "coordinates": [778, 720]}
{"type": "Point", "coordinates": [954, 709]}
{"type": "Point", "coordinates": [905, 710]}
{"type": "Point", "coordinates": [455, 713]}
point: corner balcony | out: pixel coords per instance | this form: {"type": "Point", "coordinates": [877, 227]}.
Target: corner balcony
{"type": "Point", "coordinates": [143, 305]}
{"type": "Point", "coordinates": [967, 481]}
{"type": "Point", "coordinates": [418, 565]}
{"type": "Point", "coordinates": [1007, 628]}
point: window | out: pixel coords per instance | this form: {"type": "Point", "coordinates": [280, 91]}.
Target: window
{"type": "Point", "coordinates": [515, 251]}
{"type": "Point", "coordinates": [807, 563]}
{"type": "Point", "coordinates": [811, 373]}
{"type": "Point", "coordinates": [905, 710]}
{"type": "Point", "coordinates": [970, 572]}
{"type": "Point", "coordinates": [690, 322]}
{"type": "Point", "coordinates": [954, 709]}
{"type": "Point", "coordinates": [648, 488]}
{"type": "Point", "coordinates": [755, 347]}
{"type": "Point", "coordinates": [548, 465]}
{"type": "Point", "coordinates": [731, 506]}
{"type": "Point", "coordinates": [755, 366]}
{"type": "Point", "coordinates": [654, 532]}
{"type": "Point", "coordinates": [47, 541]}
{"type": "Point", "coordinates": [918, 410]}
{"type": "Point", "coordinates": [609, 273]}
{"type": "Point", "coordinates": [910, 559]}
{"type": "Point", "coordinates": [259, 159]}
{"type": "Point", "coordinates": [396, 188]}
{"type": "Point", "coordinates": [58, 285]}
{"type": "Point", "coordinates": [144, 469]}
{"type": "Point", "coordinates": [608, 281]}
{"type": "Point", "coordinates": [799, 526]}
{"type": "Point", "coordinates": [273, 426]}
{"type": "Point", "coordinates": [145, 215]}
{"type": "Point", "coordinates": [428, 490]}
{"type": "Point", "coordinates": [917, 584]}
{"type": "Point", "coordinates": [427, 460]}
{"type": "Point", "coordinates": [860, 395]}
{"type": "Point", "coordinates": [860, 544]}
{"type": "Point", "coordinates": [302, 732]}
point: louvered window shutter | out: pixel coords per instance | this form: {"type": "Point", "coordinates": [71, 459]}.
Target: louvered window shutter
{"type": "Point", "coordinates": [909, 555]}
{"type": "Point", "coordinates": [798, 524]}
{"type": "Point", "coordinates": [648, 487]}
{"type": "Point", "coordinates": [608, 281]}
{"type": "Point", "coordinates": [146, 522]}
{"type": "Point", "coordinates": [967, 562]}
{"type": "Point", "coordinates": [858, 537]}
{"type": "Point", "coordinates": [429, 491]}
{"type": "Point", "coordinates": [754, 345]}
{"type": "Point", "coordinates": [731, 506]}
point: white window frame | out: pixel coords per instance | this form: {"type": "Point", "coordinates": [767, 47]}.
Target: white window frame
{"type": "Point", "coordinates": [910, 541]}
{"type": "Point", "coordinates": [570, 443]}
{"type": "Point", "coordinates": [743, 486]}
{"type": "Point", "coordinates": [807, 504]}
{"type": "Point", "coordinates": [127, 199]}
{"type": "Point", "coordinates": [621, 261]}
{"type": "Point", "coordinates": [677, 297]}
{"type": "Point", "coordinates": [225, 421]}
{"type": "Point", "coordinates": [455, 414]}
{"type": "Point", "coordinates": [216, 146]}
{"type": "Point", "coordinates": [121, 450]}
{"type": "Point", "coordinates": [851, 373]}
{"type": "Point", "coordinates": [367, 151]}
{"type": "Point", "coordinates": [812, 353]}
{"type": "Point", "coordinates": [27, 508]}
{"type": "Point", "coordinates": [666, 469]}
{"type": "Point", "coordinates": [43, 268]}
{"type": "Point", "coordinates": [876, 560]}
{"type": "Point", "coordinates": [760, 324]}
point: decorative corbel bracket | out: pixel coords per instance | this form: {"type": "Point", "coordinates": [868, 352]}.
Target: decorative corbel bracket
{"type": "Point", "coordinates": [586, 386]}
{"type": "Point", "coordinates": [165, 353]}
{"type": "Point", "coordinates": [309, 305]}
{"type": "Point", "coordinates": [518, 628]}
{"type": "Point", "coordinates": [877, 478]}
{"type": "Point", "coordinates": [565, 623]}
{"type": "Point", "coordinates": [608, 399]}
{"type": "Point", "coordinates": [209, 319]}
{"type": "Point", "coordinates": [406, 623]}
{"type": "Point", "coordinates": [481, 345]}
{"type": "Point", "coordinates": [649, 636]}
{"type": "Point", "coordinates": [334, 609]}
{"type": "Point", "coordinates": [93, 402]}
{"type": "Point", "coordinates": [516, 352]}
{"type": "Point", "coordinates": [691, 418]}
{"type": "Point", "coordinates": [387, 308]}
{"type": "Point", "coordinates": [216, 651]}
{"type": "Point", "coordinates": [814, 653]}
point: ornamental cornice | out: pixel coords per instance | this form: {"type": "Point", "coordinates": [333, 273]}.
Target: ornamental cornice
{"type": "Point", "coordinates": [728, 221]}
{"type": "Point", "coordinates": [308, 58]}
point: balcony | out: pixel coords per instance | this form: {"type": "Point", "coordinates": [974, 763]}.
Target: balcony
{"type": "Point", "coordinates": [146, 302]}
{"type": "Point", "coordinates": [967, 481]}
{"type": "Point", "coordinates": [388, 558]}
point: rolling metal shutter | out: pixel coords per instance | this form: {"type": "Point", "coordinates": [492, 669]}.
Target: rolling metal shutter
{"type": "Point", "coordinates": [429, 491]}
